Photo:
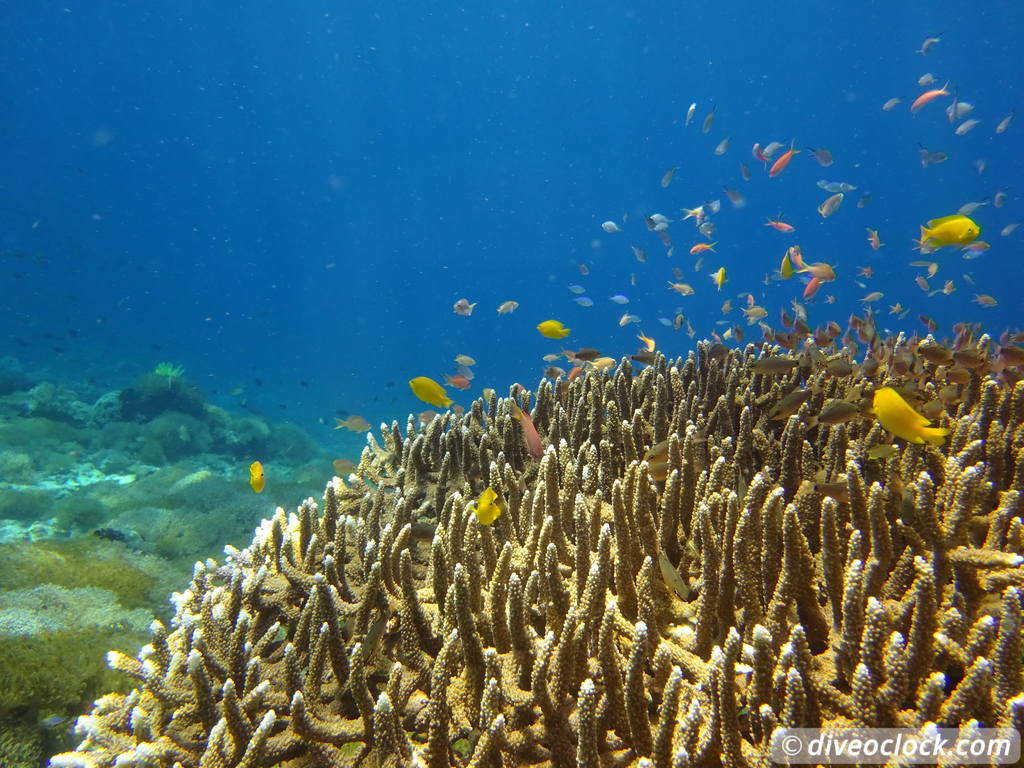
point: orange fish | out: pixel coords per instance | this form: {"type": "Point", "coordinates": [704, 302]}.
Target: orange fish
{"type": "Point", "coordinates": [927, 97]}
{"type": "Point", "coordinates": [575, 372]}
{"type": "Point", "coordinates": [648, 342]}
{"type": "Point", "coordinates": [780, 165]}
{"type": "Point", "coordinates": [873, 239]}
{"type": "Point", "coordinates": [530, 435]}
{"type": "Point", "coordinates": [780, 226]}
{"type": "Point", "coordinates": [256, 477]}
{"type": "Point", "coordinates": [701, 247]}
{"type": "Point", "coordinates": [459, 382]}
{"type": "Point", "coordinates": [812, 287]}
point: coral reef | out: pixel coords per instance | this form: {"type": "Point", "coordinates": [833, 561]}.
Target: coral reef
{"type": "Point", "coordinates": [677, 576]}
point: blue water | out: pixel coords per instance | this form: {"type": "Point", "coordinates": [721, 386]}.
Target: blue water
{"type": "Point", "coordinates": [298, 193]}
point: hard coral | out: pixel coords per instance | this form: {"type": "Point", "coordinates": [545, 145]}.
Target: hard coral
{"type": "Point", "coordinates": [771, 576]}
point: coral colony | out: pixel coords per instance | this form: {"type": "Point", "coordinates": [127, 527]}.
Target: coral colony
{"type": "Point", "coordinates": [766, 573]}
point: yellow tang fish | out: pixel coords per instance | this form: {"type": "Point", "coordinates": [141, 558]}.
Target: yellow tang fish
{"type": "Point", "coordinates": [429, 391]}
{"type": "Point", "coordinates": [950, 230]}
{"type": "Point", "coordinates": [489, 506]}
{"type": "Point", "coordinates": [719, 278]}
{"type": "Point", "coordinates": [553, 329]}
{"type": "Point", "coordinates": [896, 415]}
{"type": "Point", "coordinates": [256, 478]}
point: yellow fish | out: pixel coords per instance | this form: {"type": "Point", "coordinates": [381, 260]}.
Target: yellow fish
{"type": "Point", "coordinates": [553, 329]}
{"type": "Point", "coordinates": [256, 477]}
{"type": "Point", "coordinates": [896, 415]}
{"type": "Point", "coordinates": [949, 230]}
{"type": "Point", "coordinates": [489, 506]}
{"type": "Point", "coordinates": [429, 391]}
{"type": "Point", "coordinates": [786, 270]}
{"type": "Point", "coordinates": [719, 278]}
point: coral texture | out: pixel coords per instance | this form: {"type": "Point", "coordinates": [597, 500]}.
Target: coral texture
{"type": "Point", "coordinates": [669, 610]}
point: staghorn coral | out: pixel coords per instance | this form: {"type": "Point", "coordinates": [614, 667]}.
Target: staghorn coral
{"type": "Point", "coordinates": [387, 627]}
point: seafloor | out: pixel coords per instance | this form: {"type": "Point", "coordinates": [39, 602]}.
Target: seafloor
{"type": "Point", "coordinates": [107, 499]}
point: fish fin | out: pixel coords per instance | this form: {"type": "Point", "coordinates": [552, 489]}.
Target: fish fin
{"type": "Point", "coordinates": [935, 435]}
{"type": "Point", "coordinates": [943, 219]}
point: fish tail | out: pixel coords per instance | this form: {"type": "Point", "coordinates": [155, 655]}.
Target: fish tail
{"type": "Point", "coordinates": [935, 435]}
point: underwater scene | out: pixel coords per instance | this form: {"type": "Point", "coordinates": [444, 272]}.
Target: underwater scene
{"type": "Point", "coordinates": [532, 384]}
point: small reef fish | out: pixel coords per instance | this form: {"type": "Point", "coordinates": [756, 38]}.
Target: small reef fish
{"type": "Point", "coordinates": [463, 307]}
{"type": "Point", "coordinates": [775, 365]}
{"type": "Point", "coordinates": [830, 205]}
{"type": "Point", "coordinates": [709, 120]}
{"type": "Point", "coordinates": [648, 342]}
{"type": "Point", "coordinates": [465, 360]}
{"type": "Point", "coordinates": [786, 269]}
{"type": "Point", "coordinates": [984, 300]}
{"type": "Point", "coordinates": [618, 298]}
{"type": "Point", "coordinates": [353, 423]}
{"type": "Point", "coordinates": [949, 230]}
{"type": "Point", "coordinates": [719, 278]}
{"type": "Point", "coordinates": [459, 381]}
{"type": "Point", "coordinates": [507, 306]}
{"type": "Point", "coordinates": [681, 288]}
{"type": "Point", "coordinates": [928, 97]}
{"type": "Point", "coordinates": [779, 225]}
{"type": "Point", "coordinates": [256, 477]}
{"type": "Point", "coordinates": [1004, 123]}
{"type": "Point", "coordinates": [822, 155]}
{"type": "Point", "coordinates": [896, 415]}
{"type": "Point", "coordinates": [881, 451]}
{"type": "Point", "coordinates": [610, 226]}
{"type": "Point", "coordinates": [836, 412]}
{"type": "Point", "coordinates": [429, 391]}
{"type": "Point", "coordinates": [666, 179]}
{"type": "Point", "coordinates": [701, 247]}
{"type": "Point", "coordinates": [789, 405]}
{"type": "Point", "coordinates": [832, 187]}
{"type": "Point", "coordinates": [966, 126]}
{"type": "Point", "coordinates": [343, 466]}
{"type": "Point", "coordinates": [928, 43]}
{"type": "Point", "coordinates": [577, 289]}
{"type": "Point", "coordinates": [584, 301]}
{"type": "Point", "coordinates": [627, 318]}
{"type": "Point", "coordinates": [586, 354]}
{"type": "Point", "coordinates": [489, 506]}
{"type": "Point", "coordinates": [891, 103]}
{"type": "Point", "coordinates": [873, 241]}
{"type": "Point", "coordinates": [690, 113]}
{"type": "Point", "coordinates": [736, 197]}
{"type": "Point", "coordinates": [931, 158]}
{"type": "Point", "coordinates": [780, 165]}
{"type": "Point", "coordinates": [553, 329]}
{"type": "Point", "coordinates": [723, 147]}
{"type": "Point", "coordinates": [530, 436]}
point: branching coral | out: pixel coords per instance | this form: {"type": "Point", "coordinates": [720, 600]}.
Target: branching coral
{"type": "Point", "coordinates": [670, 612]}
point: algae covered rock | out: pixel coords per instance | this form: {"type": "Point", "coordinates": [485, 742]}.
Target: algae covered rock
{"type": "Point", "coordinates": [53, 642]}
{"type": "Point", "coordinates": [57, 402]}
{"type": "Point", "coordinates": [153, 394]}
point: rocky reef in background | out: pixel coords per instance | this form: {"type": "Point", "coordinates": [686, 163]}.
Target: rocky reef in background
{"type": "Point", "coordinates": [629, 607]}
{"type": "Point", "coordinates": [106, 500]}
